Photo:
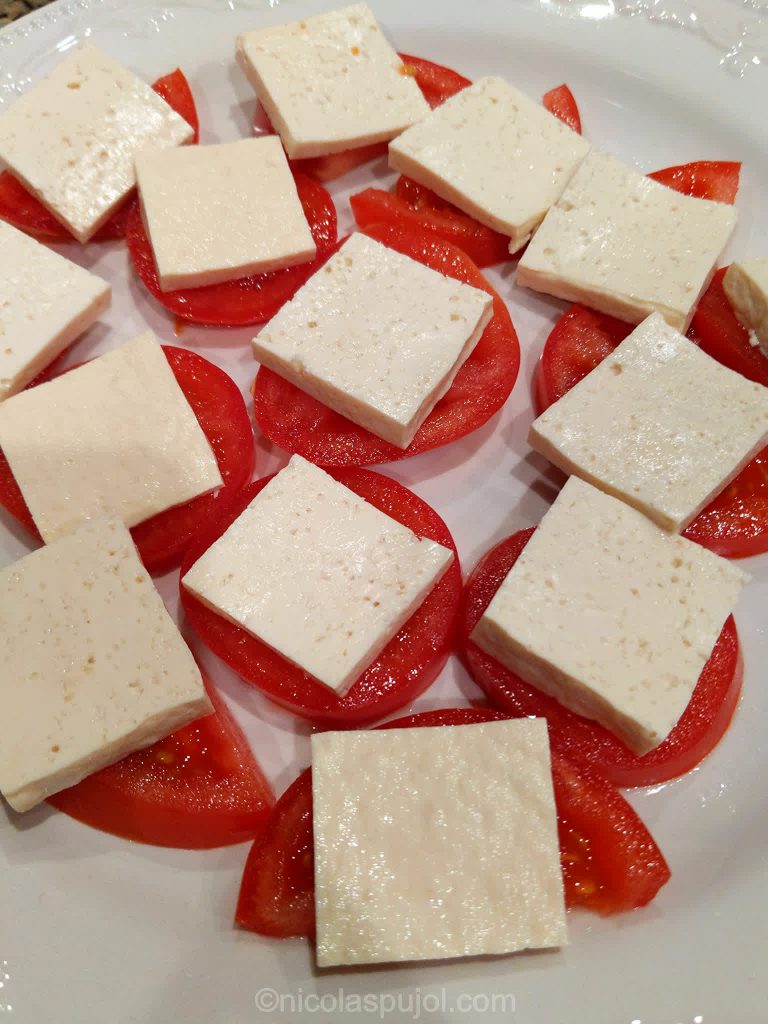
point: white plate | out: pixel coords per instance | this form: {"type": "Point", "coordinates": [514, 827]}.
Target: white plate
{"type": "Point", "coordinates": [95, 930]}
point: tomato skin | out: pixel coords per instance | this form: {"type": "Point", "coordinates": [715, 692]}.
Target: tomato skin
{"type": "Point", "coordinates": [406, 667]}
{"type": "Point", "coordinates": [21, 209]}
{"type": "Point", "coordinates": [610, 861]}
{"type": "Point", "coordinates": [197, 789]}
{"type": "Point", "coordinates": [587, 744]}
{"type": "Point", "coordinates": [705, 179]}
{"type": "Point", "coordinates": [300, 424]}
{"type": "Point", "coordinates": [247, 300]}
{"type": "Point", "coordinates": [219, 407]}
{"type": "Point", "coordinates": [560, 102]}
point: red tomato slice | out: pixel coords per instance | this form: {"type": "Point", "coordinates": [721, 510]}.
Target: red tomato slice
{"type": "Point", "coordinates": [247, 300]}
{"type": "Point", "coordinates": [717, 331]}
{"type": "Point", "coordinates": [610, 860]}
{"type": "Point", "coordinates": [704, 179]}
{"type": "Point", "coordinates": [223, 417]}
{"type": "Point", "coordinates": [586, 743]}
{"type": "Point", "coordinates": [408, 664]}
{"type": "Point", "coordinates": [561, 103]}
{"type": "Point", "coordinates": [418, 206]}
{"type": "Point", "coordinates": [299, 423]}
{"type": "Point", "coordinates": [198, 788]}
{"type": "Point", "coordinates": [21, 209]}
{"type": "Point", "coordinates": [437, 83]}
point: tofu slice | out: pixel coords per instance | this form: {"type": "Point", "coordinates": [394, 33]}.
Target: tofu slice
{"type": "Point", "coordinates": [376, 336]}
{"type": "Point", "coordinates": [610, 615]}
{"type": "Point", "coordinates": [217, 213]}
{"type": "Point", "coordinates": [746, 285]}
{"type": "Point", "coordinates": [659, 424]}
{"type": "Point", "coordinates": [331, 82]}
{"type": "Point", "coordinates": [434, 843]}
{"type": "Point", "coordinates": [71, 140]}
{"type": "Point", "coordinates": [94, 667]}
{"type": "Point", "coordinates": [495, 154]}
{"type": "Point", "coordinates": [316, 573]}
{"type": "Point", "coordinates": [114, 437]}
{"type": "Point", "coordinates": [626, 245]}
{"type": "Point", "coordinates": [46, 302]}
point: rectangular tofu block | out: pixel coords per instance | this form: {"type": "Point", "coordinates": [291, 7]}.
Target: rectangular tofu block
{"type": "Point", "coordinates": [495, 154]}
{"type": "Point", "coordinates": [746, 285]}
{"type": "Point", "coordinates": [376, 336]}
{"type": "Point", "coordinates": [659, 424]}
{"type": "Point", "coordinates": [94, 667]}
{"type": "Point", "coordinates": [316, 573]}
{"type": "Point", "coordinates": [626, 245]}
{"type": "Point", "coordinates": [72, 139]}
{"type": "Point", "coordinates": [435, 842]}
{"type": "Point", "coordinates": [331, 82]}
{"type": "Point", "coordinates": [114, 437]}
{"type": "Point", "coordinates": [217, 213]}
{"type": "Point", "coordinates": [610, 615]}
{"type": "Point", "coordinates": [46, 302]}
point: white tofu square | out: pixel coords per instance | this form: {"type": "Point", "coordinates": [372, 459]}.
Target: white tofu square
{"type": "Point", "coordinates": [46, 302]}
{"type": "Point", "coordinates": [746, 285]}
{"type": "Point", "coordinates": [659, 424]}
{"type": "Point", "coordinates": [436, 842]}
{"type": "Point", "coordinates": [71, 140]}
{"type": "Point", "coordinates": [217, 213]}
{"type": "Point", "coordinates": [316, 573]}
{"type": "Point", "coordinates": [376, 336]}
{"type": "Point", "coordinates": [495, 154]}
{"type": "Point", "coordinates": [610, 615]}
{"type": "Point", "coordinates": [626, 245]}
{"type": "Point", "coordinates": [94, 668]}
{"type": "Point", "coordinates": [115, 437]}
{"type": "Point", "coordinates": [331, 82]}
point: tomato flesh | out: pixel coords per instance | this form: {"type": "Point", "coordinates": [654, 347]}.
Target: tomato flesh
{"type": "Point", "coordinates": [610, 861]}
{"type": "Point", "coordinates": [583, 741]}
{"type": "Point", "coordinates": [705, 179]}
{"type": "Point", "coordinates": [221, 412]}
{"type": "Point", "coordinates": [419, 207]}
{"type": "Point", "coordinates": [198, 788]}
{"type": "Point", "coordinates": [408, 664]}
{"type": "Point", "coordinates": [300, 424]}
{"type": "Point", "coordinates": [21, 209]}
{"type": "Point", "coordinates": [247, 300]}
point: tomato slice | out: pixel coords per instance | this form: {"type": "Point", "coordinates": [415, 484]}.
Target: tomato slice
{"type": "Point", "coordinates": [583, 741]}
{"type": "Point", "coordinates": [224, 419]}
{"type": "Point", "coordinates": [717, 331]}
{"type": "Point", "coordinates": [418, 206]}
{"type": "Point", "coordinates": [299, 423]}
{"type": "Point", "coordinates": [436, 82]}
{"type": "Point", "coordinates": [247, 300]}
{"type": "Point", "coordinates": [408, 664]}
{"type": "Point", "coordinates": [560, 102]}
{"type": "Point", "coordinates": [21, 209]}
{"type": "Point", "coordinates": [704, 179]}
{"type": "Point", "coordinates": [610, 860]}
{"type": "Point", "coordinates": [198, 788]}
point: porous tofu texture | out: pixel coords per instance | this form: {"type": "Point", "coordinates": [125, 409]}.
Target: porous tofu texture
{"type": "Point", "coordinates": [495, 154]}
{"type": "Point", "coordinates": [94, 668]}
{"type": "Point", "coordinates": [217, 213]}
{"type": "Point", "coordinates": [331, 82]}
{"type": "Point", "coordinates": [114, 437]}
{"type": "Point", "coordinates": [435, 842]}
{"type": "Point", "coordinates": [746, 285]}
{"type": "Point", "coordinates": [72, 139]}
{"type": "Point", "coordinates": [659, 424]}
{"type": "Point", "coordinates": [46, 302]}
{"type": "Point", "coordinates": [376, 336]}
{"type": "Point", "coordinates": [626, 245]}
{"type": "Point", "coordinates": [318, 574]}
{"type": "Point", "coordinates": [610, 615]}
